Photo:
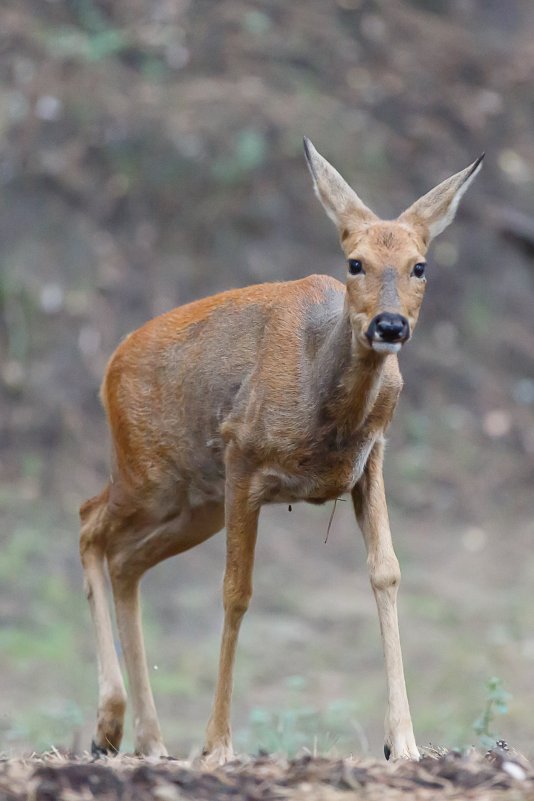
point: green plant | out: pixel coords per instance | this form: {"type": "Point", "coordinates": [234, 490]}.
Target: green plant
{"type": "Point", "coordinates": [298, 726]}
{"type": "Point", "coordinates": [52, 725]}
{"type": "Point", "coordinates": [497, 699]}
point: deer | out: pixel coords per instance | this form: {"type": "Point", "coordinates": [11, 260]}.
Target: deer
{"type": "Point", "coordinates": [273, 393]}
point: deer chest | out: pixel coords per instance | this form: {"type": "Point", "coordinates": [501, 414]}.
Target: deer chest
{"type": "Point", "coordinates": [321, 476]}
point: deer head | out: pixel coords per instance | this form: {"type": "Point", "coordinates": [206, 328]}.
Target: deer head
{"type": "Point", "coordinates": [386, 259]}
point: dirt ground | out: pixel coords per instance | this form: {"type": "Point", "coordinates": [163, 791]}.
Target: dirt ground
{"type": "Point", "coordinates": [498, 774]}
{"type": "Point", "coordinates": [152, 154]}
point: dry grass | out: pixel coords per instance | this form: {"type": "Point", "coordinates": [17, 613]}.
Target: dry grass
{"type": "Point", "coordinates": [54, 777]}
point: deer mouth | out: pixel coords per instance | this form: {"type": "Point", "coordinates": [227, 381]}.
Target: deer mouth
{"type": "Point", "coordinates": [386, 347]}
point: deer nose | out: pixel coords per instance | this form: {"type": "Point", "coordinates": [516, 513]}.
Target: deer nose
{"type": "Point", "coordinates": [388, 327]}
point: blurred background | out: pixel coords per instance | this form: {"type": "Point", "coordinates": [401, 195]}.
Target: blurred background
{"type": "Point", "coordinates": [151, 153]}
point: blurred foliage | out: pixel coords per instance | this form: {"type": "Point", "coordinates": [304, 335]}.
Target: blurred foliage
{"type": "Point", "coordinates": [249, 153]}
{"type": "Point", "coordinates": [151, 154]}
{"type": "Point", "coordinates": [45, 727]}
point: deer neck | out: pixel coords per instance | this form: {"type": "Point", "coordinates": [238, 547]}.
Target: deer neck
{"type": "Point", "coordinates": [349, 377]}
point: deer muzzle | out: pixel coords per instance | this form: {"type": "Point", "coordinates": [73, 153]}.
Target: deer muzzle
{"type": "Point", "coordinates": [388, 332]}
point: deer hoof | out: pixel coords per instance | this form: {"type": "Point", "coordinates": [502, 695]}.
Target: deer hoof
{"type": "Point", "coordinates": [217, 756]}
{"type": "Point", "coordinates": [101, 751]}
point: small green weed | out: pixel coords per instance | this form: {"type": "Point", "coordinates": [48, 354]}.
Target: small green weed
{"type": "Point", "coordinates": [299, 726]}
{"type": "Point", "coordinates": [497, 699]}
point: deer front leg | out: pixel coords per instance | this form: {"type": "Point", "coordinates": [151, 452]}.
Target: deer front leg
{"type": "Point", "coordinates": [372, 515]}
{"type": "Point", "coordinates": [241, 530]}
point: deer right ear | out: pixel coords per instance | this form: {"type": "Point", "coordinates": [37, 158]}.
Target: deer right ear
{"type": "Point", "coordinates": [340, 202]}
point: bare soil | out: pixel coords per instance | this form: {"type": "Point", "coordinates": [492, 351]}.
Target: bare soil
{"type": "Point", "coordinates": [53, 777]}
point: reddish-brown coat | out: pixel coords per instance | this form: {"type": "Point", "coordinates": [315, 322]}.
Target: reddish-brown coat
{"type": "Point", "coordinates": [276, 392]}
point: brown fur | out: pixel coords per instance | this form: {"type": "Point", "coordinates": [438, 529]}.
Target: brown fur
{"type": "Point", "coordinates": [265, 394]}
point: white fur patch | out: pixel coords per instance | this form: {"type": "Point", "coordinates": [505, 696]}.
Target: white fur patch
{"type": "Point", "coordinates": [361, 461]}
{"type": "Point", "coordinates": [386, 347]}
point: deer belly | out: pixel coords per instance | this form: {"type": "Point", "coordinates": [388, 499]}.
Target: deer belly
{"type": "Point", "coordinates": [317, 482]}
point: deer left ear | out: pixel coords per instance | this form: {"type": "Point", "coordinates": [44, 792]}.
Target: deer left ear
{"type": "Point", "coordinates": [433, 212]}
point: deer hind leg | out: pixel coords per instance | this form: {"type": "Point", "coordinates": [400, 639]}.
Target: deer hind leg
{"type": "Point", "coordinates": [241, 531]}
{"type": "Point", "coordinates": [111, 693]}
{"type": "Point", "coordinates": [131, 556]}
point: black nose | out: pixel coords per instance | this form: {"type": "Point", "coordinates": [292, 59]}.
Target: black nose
{"type": "Point", "coordinates": [389, 327]}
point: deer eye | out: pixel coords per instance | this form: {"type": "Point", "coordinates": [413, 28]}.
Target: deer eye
{"type": "Point", "coordinates": [355, 267]}
{"type": "Point", "coordinates": [419, 269]}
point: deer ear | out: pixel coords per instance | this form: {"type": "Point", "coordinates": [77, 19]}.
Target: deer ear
{"type": "Point", "coordinates": [340, 202]}
{"type": "Point", "coordinates": [433, 212]}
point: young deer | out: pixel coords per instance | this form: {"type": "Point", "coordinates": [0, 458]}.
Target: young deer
{"type": "Point", "coordinates": [274, 393]}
